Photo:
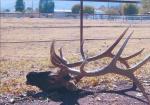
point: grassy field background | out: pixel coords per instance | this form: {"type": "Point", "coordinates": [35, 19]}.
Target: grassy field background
{"type": "Point", "coordinates": [17, 59]}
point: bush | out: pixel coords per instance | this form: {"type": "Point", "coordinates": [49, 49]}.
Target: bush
{"type": "Point", "coordinates": [86, 9]}
{"type": "Point", "coordinates": [20, 6]}
{"type": "Point", "coordinates": [130, 9]}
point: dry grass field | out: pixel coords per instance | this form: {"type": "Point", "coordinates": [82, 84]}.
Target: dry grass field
{"type": "Point", "coordinates": [17, 59]}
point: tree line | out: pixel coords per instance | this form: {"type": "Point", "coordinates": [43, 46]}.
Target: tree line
{"type": "Point", "coordinates": [47, 6]}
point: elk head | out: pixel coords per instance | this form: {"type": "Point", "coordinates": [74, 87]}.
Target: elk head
{"type": "Point", "coordinates": [48, 81]}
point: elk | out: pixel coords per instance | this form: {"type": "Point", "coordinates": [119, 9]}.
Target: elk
{"type": "Point", "coordinates": [67, 69]}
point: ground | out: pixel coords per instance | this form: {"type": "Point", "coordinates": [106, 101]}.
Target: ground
{"type": "Point", "coordinates": [32, 54]}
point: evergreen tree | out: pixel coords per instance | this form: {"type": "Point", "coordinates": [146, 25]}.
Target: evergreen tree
{"type": "Point", "coordinates": [20, 6]}
{"type": "Point", "coordinates": [46, 6]}
{"type": "Point", "coordinates": [131, 9]}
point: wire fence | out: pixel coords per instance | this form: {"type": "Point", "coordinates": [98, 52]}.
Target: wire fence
{"type": "Point", "coordinates": [68, 40]}
{"type": "Point", "coordinates": [36, 48]}
{"type": "Point", "coordinates": [66, 15]}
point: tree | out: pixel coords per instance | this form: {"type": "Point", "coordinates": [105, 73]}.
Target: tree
{"type": "Point", "coordinates": [20, 6]}
{"type": "Point", "coordinates": [121, 9]}
{"type": "Point", "coordinates": [86, 9]}
{"type": "Point", "coordinates": [145, 6]}
{"type": "Point", "coordinates": [46, 6]}
{"type": "Point", "coordinates": [130, 9]}
{"type": "Point", "coordinates": [6, 10]}
{"type": "Point", "coordinates": [112, 11]}
{"type": "Point", "coordinates": [76, 8]}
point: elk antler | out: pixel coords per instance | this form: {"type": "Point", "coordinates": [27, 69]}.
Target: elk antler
{"type": "Point", "coordinates": [108, 53]}
{"type": "Point", "coordinates": [111, 68]}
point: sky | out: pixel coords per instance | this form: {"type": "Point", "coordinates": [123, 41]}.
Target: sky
{"type": "Point", "coordinates": [9, 4]}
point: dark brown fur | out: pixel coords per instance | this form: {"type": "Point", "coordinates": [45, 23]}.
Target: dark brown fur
{"type": "Point", "coordinates": [46, 81]}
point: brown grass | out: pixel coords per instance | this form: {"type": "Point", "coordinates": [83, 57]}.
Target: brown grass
{"type": "Point", "coordinates": [18, 59]}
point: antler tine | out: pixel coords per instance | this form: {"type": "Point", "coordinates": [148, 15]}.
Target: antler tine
{"type": "Point", "coordinates": [107, 53]}
{"type": "Point", "coordinates": [55, 59]}
{"type": "Point", "coordinates": [83, 65]}
{"type": "Point", "coordinates": [133, 55]}
{"type": "Point", "coordinates": [117, 41]}
{"type": "Point", "coordinates": [124, 60]}
{"type": "Point", "coordinates": [61, 55]}
{"type": "Point", "coordinates": [60, 51]}
{"type": "Point", "coordinates": [134, 68]}
{"type": "Point", "coordinates": [52, 54]}
{"type": "Point", "coordinates": [120, 50]}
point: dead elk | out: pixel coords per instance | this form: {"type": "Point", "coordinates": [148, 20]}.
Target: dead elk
{"type": "Point", "coordinates": [48, 81]}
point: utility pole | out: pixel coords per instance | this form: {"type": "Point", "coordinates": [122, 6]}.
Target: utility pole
{"type": "Point", "coordinates": [81, 30]}
{"type": "Point", "coordinates": [32, 7]}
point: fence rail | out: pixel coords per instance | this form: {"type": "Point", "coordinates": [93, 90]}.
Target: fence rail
{"type": "Point", "coordinates": [68, 40]}
{"type": "Point", "coordinates": [71, 15]}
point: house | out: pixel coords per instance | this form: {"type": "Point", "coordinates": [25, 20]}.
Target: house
{"type": "Point", "coordinates": [148, 13]}
{"type": "Point", "coordinates": [61, 13]}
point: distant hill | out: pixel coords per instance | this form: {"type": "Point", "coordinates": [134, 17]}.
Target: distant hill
{"type": "Point", "coordinates": [10, 4]}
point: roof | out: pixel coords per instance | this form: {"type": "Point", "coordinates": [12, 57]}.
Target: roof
{"type": "Point", "coordinates": [119, 1]}
{"type": "Point", "coordinates": [62, 10]}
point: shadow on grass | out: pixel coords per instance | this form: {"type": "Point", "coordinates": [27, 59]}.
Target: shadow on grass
{"type": "Point", "coordinates": [66, 97]}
